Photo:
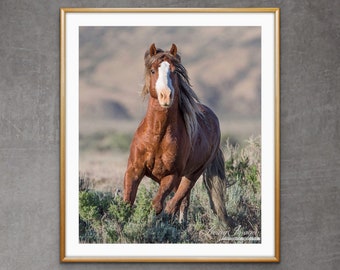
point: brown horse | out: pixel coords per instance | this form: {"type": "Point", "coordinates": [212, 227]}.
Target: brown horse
{"type": "Point", "coordinates": [177, 140]}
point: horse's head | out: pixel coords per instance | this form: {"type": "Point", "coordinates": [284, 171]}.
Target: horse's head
{"type": "Point", "coordinates": [160, 79]}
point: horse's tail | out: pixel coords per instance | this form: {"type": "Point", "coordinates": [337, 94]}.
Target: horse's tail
{"type": "Point", "coordinates": [215, 181]}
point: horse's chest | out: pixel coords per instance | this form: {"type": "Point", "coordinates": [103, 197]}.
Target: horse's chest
{"type": "Point", "coordinates": [163, 160]}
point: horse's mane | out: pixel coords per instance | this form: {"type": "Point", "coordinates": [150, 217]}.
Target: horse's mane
{"type": "Point", "coordinates": [188, 100]}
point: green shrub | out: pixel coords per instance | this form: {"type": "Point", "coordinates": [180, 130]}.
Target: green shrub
{"type": "Point", "coordinates": [243, 166]}
{"type": "Point", "coordinates": [141, 216]}
{"type": "Point", "coordinates": [93, 208]}
{"type": "Point", "coordinates": [163, 229]}
{"type": "Point", "coordinates": [106, 218]}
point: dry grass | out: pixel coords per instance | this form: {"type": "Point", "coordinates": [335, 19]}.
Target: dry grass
{"type": "Point", "coordinates": [105, 218]}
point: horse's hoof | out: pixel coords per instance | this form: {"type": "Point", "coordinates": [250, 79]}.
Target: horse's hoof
{"type": "Point", "coordinates": [157, 207]}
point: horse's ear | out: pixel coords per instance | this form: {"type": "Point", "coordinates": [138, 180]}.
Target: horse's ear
{"type": "Point", "coordinates": [173, 49]}
{"type": "Point", "coordinates": [153, 49]}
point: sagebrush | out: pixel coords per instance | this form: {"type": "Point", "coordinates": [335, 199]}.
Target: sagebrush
{"type": "Point", "coordinates": [105, 218]}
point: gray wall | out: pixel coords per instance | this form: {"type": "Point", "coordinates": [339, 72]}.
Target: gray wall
{"type": "Point", "coordinates": [29, 134]}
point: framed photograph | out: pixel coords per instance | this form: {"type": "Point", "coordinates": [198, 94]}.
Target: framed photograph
{"type": "Point", "coordinates": [169, 135]}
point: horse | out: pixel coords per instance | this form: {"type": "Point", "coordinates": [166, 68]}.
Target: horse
{"type": "Point", "coordinates": [177, 141]}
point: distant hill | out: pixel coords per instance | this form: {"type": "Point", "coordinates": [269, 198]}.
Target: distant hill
{"type": "Point", "coordinates": [224, 64]}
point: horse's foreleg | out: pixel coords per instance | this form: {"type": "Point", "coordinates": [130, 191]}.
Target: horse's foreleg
{"type": "Point", "coordinates": [166, 185]}
{"type": "Point", "coordinates": [183, 190]}
{"type": "Point", "coordinates": [132, 180]}
{"type": "Point", "coordinates": [183, 210]}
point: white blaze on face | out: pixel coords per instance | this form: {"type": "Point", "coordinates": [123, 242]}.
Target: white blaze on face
{"type": "Point", "coordinates": [164, 86]}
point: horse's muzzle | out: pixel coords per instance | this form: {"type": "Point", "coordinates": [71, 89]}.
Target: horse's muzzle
{"type": "Point", "coordinates": [165, 98]}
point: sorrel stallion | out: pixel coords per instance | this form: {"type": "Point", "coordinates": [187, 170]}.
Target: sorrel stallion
{"type": "Point", "coordinates": [177, 140]}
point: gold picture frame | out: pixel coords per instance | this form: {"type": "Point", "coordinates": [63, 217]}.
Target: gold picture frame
{"type": "Point", "coordinates": [70, 21]}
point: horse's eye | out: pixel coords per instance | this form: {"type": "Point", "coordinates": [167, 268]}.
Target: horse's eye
{"type": "Point", "coordinates": [153, 71]}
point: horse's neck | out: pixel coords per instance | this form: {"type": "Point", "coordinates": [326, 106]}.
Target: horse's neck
{"type": "Point", "coordinates": [158, 119]}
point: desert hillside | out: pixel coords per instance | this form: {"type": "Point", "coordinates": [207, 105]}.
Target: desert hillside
{"type": "Point", "coordinates": [223, 64]}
